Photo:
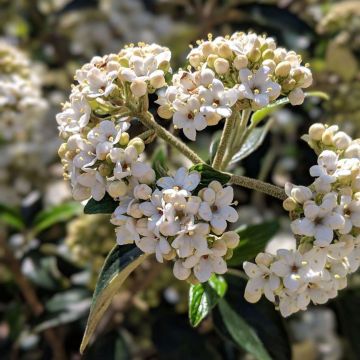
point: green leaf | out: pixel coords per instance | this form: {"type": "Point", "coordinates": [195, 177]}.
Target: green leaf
{"type": "Point", "coordinates": [208, 174]}
{"type": "Point", "coordinates": [261, 317]}
{"type": "Point", "coordinates": [118, 265]}
{"type": "Point", "coordinates": [263, 113]}
{"type": "Point", "coordinates": [253, 239]}
{"type": "Point", "coordinates": [241, 332]}
{"type": "Point", "coordinates": [159, 160]}
{"type": "Point", "coordinates": [11, 217]}
{"type": "Point", "coordinates": [203, 297]}
{"type": "Point", "coordinates": [106, 205]}
{"type": "Point", "coordinates": [214, 145]}
{"type": "Point", "coordinates": [252, 142]}
{"type": "Point", "coordinates": [56, 214]}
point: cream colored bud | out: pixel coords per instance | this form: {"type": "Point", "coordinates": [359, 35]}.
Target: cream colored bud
{"type": "Point", "coordinates": [105, 169]}
{"type": "Point", "coordinates": [353, 151]}
{"type": "Point", "coordinates": [117, 189]}
{"type": "Point", "coordinates": [124, 62]}
{"type": "Point", "coordinates": [279, 54]}
{"type": "Point", "coordinates": [142, 192]}
{"type": "Point", "coordinates": [138, 87]}
{"type": "Point", "coordinates": [171, 255]}
{"type": "Point", "coordinates": [268, 54]}
{"type": "Point", "coordinates": [211, 60]}
{"type": "Point", "coordinates": [342, 140]}
{"type": "Point", "coordinates": [221, 66]}
{"type": "Point", "coordinates": [296, 97]}
{"type": "Point", "coordinates": [283, 69]}
{"type": "Point", "coordinates": [240, 62]}
{"type": "Point", "coordinates": [62, 150]}
{"type": "Point", "coordinates": [164, 111]}
{"type": "Point", "coordinates": [138, 144]}
{"type": "Point", "coordinates": [270, 64]}
{"type": "Point", "coordinates": [157, 81]}
{"type": "Point", "coordinates": [289, 204]}
{"type": "Point", "coordinates": [254, 55]}
{"type": "Point", "coordinates": [135, 211]}
{"type": "Point", "coordinates": [124, 139]}
{"type": "Point", "coordinates": [206, 77]}
{"type": "Point", "coordinates": [225, 51]}
{"type": "Point", "coordinates": [316, 131]}
{"type": "Point", "coordinates": [327, 137]}
{"type": "Point", "coordinates": [208, 48]}
{"type": "Point", "coordinates": [195, 60]}
{"type": "Point", "coordinates": [288, 84]}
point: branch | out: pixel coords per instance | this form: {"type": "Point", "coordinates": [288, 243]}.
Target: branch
{"type": "Point", "coordinates": [148, 120]}
{"type": "Point", "coordinates": [258, 185]}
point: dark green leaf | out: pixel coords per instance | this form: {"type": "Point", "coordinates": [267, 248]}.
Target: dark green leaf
{"type": "Point", "coordinates": [203, 297]}
{"type": "Point", "coordinates": [253, 239]}
{"type": "Point", "coordinates": [56, 214]}
{"type": "Point", "coordinates": [118, 265]}
{"type": "Point", "coordinates": [208, 174]}
{"type": "Point", "coordinates": [11, 217]}
{"type": "Point", "coordinates": [159, 160]}
{"type": "Point", "coordinates": [241, 332]}
{"type": "Point", "coordinates": [252, 142]}
{"type": "Point", "coordinates": [106, 205]}
{"type": "Point", "coordinates": [261, 317]}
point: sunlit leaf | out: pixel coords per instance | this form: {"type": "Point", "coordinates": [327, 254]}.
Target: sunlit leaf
{"type": "Point", "coordinates": [253, 239]}
{"type": "Point", "coordinates": [11, 217]}
{"type": "Point", "coordinates": [203, 297]}
{"type": "Point", "coordinates": [120, 262]}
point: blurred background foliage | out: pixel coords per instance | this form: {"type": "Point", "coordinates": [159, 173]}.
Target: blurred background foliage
{"type": "Point", "coordinates": [50, 253]}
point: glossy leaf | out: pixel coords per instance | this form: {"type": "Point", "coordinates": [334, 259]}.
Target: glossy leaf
{"type": "Point", "coordinates": [118, 265]}
{"type": "Point", "coordinates": [253, 239]}
{"type": "Point", "coordinates": [252, 142]}
{"type": "Point", "coordinates": [242, 334]}
{"type": "Point", "coordinates": [56, 214]}
{"type": "Point", "coordinates": [203, 297]}
{"type": "Point", "coordinates": [208, 174]}
{"type": "Point", "coordinates": [214, 145]}
{"type": "Point", "coordinates": [106, 205]}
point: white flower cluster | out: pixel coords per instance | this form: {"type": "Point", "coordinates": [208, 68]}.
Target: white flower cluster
{"type": "Point", "coordinates": [245, 69]}
{"type": "Point", "coordinates": [326, 223]}
{"type": "Point", "coordinates": [22, 110]}
{"type": "Point", "coordinates": [98, 155]}
{"type": "Point", "coordinates": [171, 222]}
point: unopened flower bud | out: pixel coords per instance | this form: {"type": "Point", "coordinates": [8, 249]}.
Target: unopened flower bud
{"type": "Point", "coordinates": [270, 64]}
{"type": "Point", "coordinates": [289, 204]}
{"type": "Point", "coordinates": [195, 60]}
{"type": "Point", "coordinates": [254, 55]}
{"type": "Point", "coordinates": [208, 48]}
{"type": "Point", "coordinates": [283, 69]}
{"type": "Point", "coordinates": [105, 169]}
{"type": "Point", "coordinates": [134, 211]}
{"type": "Point", "coordinates": [142, 192]}
{"type": "Point", "coordinates": [296, 96]}
{"type": "Point", "coordinates": [62, 150]}
{"type": "Point", "coordinates": [221, 66]}
{"type": "Point", "coordinates": [353, 151]}
{"type": "Point", "coordinates": [327, 137]}
{"type": "Point", "coordinates": [124, 139]}
{"type": "Point", "coordinates": [138, 87]}
{"type": "Point", "coordinates": [268, 54]}
{"type": "Point", "coordinates": [211, 60]}
{"type": "Point", "coordinates": [206, 77]}
{"type": "Point", "coordinates": [342, 140]}
{"type": "Point", "coordinates": [164, 111]}
{"type": "Point", "coordinates": [240, 62]}
{"type": "Point", "coordinates": [117, 189]}
{"type": "Point", "coordinates": [138, 144]}
{"type": "Point", "coordinates": [225, 51]}
{"type": "Point", "coordinates": [157, 79]}
{"type": "Point", "coordinates": [316, 131]}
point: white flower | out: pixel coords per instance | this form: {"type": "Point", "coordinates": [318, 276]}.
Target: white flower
{"type": "Point", "coordinates": [350, 209]}
{"type": "Point", "coordinates": [210, 261]}
{"type": "Point", "coordinates": [93, 180]}
{"type": "Point", "coordinates": [154, 210]}
{"type": "Point", "coordinates": [258, 87]}
{"type": "Point", "coordinates": [216, 206]}
{"type": "Point", "coordinates": [291, 303]}
{"type": "Point", "coordinates": [192, 237]}
{"type": "Point", "coordinates": [320, 221]}
{"type": "Point", "coordinates": [262, 279]}
{"type": "Point", "coordinates": [126, 233]}
{"type": "Point", "coordinates": [182, 182]}
{"type": "Point", "coordinates": [291, 267]}
{"type": "Point", "coordinates": [299, 193]}
{"type": "Point", "coordinates": [187, 116]}
{"type": "Point", "coordinates": [181, 272]}
{"type": "Point", "coordinates": [217, 102]}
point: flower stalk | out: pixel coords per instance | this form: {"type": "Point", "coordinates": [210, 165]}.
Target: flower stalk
{"type": "Point", "coordinates": [258, 185]}
{"type": "Point", "coordinates": [148, 120]}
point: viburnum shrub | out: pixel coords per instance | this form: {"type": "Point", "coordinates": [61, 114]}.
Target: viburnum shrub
{"type": "Point", "coordinates": [183, 215]}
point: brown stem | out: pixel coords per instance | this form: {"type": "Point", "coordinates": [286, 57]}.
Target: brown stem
{"type": "Point", "coordinates": [31, 298]}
